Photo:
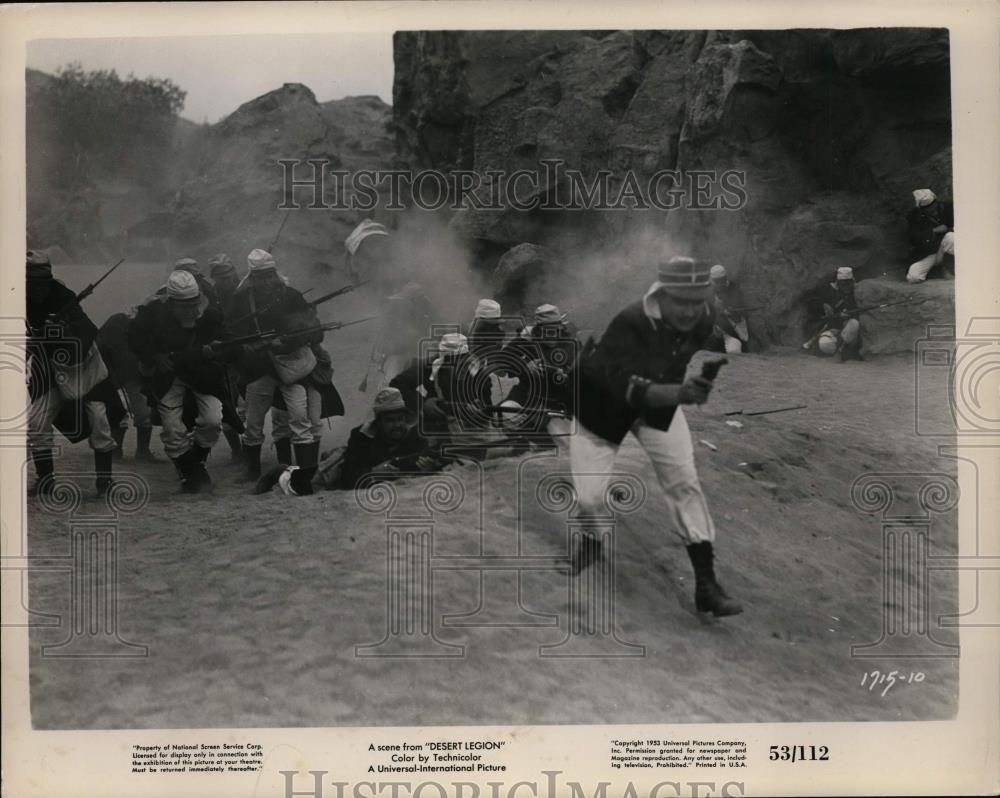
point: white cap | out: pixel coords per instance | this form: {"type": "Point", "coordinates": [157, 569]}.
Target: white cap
{"type": "Point", "coordinates": [182, 285]}
{"type": "Point", "coordinates": [361, 232]}
{"type": "Point", "coordinates": [923, 196]}
{"type": "Point", "coordinates": [717, 272]}
{"type": "Point", "coordinates": [487, 309]}
{"type": "Point", "coordinates": [388, 400]}
{"type": "Point", "coordinates": [845, 273]}
{"type": "Point", "coordinates": [828, 343]}
{"type": "Point", "coordinates": [260, 260]}
{"type": "Point", "coordinates": [453, 344]}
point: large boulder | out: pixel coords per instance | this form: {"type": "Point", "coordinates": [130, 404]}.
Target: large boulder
{"type": "Point", "coordinates": [829, 132]}
{"type": "Point", "coordinates": [231, 197]}
{"type": "Point", "coordinates": [912, 309]}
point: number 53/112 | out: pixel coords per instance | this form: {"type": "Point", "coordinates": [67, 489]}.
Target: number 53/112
{"type": "Point", "coordinates": [799, 753]}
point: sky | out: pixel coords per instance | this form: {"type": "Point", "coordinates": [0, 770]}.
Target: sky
{"type": "Point", "coordinates": [220, 73]}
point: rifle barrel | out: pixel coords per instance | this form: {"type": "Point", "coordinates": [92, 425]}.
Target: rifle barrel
{"type": "Point", "coordinates": [340, 291]}
{"type": "Point", "coordinates": [90, 288]}
{"type": "Point", "coordinates": [502, 409]}
{"type": "Point", "coordinates": [246, 339]}
{"type": "Point", "coordinates": [278, 234]}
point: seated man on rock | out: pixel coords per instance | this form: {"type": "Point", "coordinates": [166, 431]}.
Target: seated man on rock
{"type": "Point", "coordinates": [931, 226]}
{"type": "Point", "coordinates": [834, 316]}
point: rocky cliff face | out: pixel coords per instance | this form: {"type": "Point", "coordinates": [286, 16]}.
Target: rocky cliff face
{"type": "Point", "coordinates": [832, 130]}
{"type": "Point", "coordinates": [220, 187]}
{"type": "Point", "coordinates": [234, 183]}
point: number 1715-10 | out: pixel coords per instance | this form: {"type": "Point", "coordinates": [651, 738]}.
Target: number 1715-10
{"type": "Point", "coordinates": [873, 679]}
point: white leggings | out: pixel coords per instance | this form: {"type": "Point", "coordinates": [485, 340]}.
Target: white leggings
{"type": "Point", "coordinates": [592, 459]}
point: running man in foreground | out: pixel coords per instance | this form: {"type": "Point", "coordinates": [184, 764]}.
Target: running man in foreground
{"type": "Point", "coordinates": [634, 381]}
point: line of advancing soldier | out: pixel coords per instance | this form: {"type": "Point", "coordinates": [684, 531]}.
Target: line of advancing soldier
{"type": "Point", "coordinates": [180, 358]}
{"type": "Point", "coordinates": [468, 393]}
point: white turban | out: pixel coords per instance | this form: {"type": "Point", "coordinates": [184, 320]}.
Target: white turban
{"type": "Point", "coordinates": [182, 285]}
{"type": "Point", "coordinates": [923, 196]}
{"type": "Point", "coordinates": [361, 232]}
{"type": "Point", "coordinates": [717, 272]}
{"type": "Point", "coordinates": [845, 273]}
{"type": "Point", "coordinates": [453, 344]}
{"type": "Point", "coordinates": [487, 309]}
{"type": "Point", "coordinates": [450, 344]}
{"type": "Point", "coordinates": [261, 259]}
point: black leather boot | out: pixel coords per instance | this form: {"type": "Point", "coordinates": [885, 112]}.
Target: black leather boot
{"type": "Point", "coordinates": [235, 445]}
{"type": "Point", "coordinates": [283, 449]}
{"type": "Point", "coordinates": [200, 472]}
{"type": "Point", "coordinates": [251, 463]}
{"type": "Point", "coordinates": [118, 433]}
{"type": "Point", "coordinates": [102, 465]}
{"type": "Point", "coordinates": [708, 593]}
{"type": "Point", "coordinates": [851, 352]}
{"type": "Point", "coordinates": [44, 473]}
{"type": "Point", "coordinates": [143, 437]}
{"type": "Point", "coordinates": [192, 470]}
{"type": "Point", "coordinates": [307, 458]}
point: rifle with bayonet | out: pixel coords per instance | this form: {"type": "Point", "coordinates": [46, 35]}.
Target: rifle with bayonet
{"type": "Point", "coordinates": [747, 309]}
{"type": "Point", "coordinates": [501, 410]}
{"type": "Point", "coordinates": [218, 347]}
{"type": "Point", "coordinates": [274, 243]}
{"type": "Point", "coordinates": [304, 331]}
{"type": "Point", "coordinates": [848, 312]}
{"type": "Point", "coordinates": [339, 292]}
{"type": "Point", "coordinates": [312, 303]}
{"type": "Point", "coordinates": [833, 315]}
{"type": "Point", "coordinates": [86, 292]}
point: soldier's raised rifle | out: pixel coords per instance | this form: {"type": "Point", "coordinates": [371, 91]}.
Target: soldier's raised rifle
{"type": "Point", "coordinates": [312, 303]}
{"type": "Point", "coordinates": [339, 292]}
{"type": "Point", "coordinates": [88, 290]}
{"type": "Point", "coordinates": [278, 234]}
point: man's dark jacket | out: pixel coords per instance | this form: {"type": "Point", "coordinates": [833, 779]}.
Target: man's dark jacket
{"type": "Point", "coordinates": [78, 335]}
{"type": "Point", "coordinates": [553, 388]}
{"type": "Point", "coordinates": [841, 302]}
{"type": "Point", "coordinates": [921, 223]}
{"type": "Point", "coordinates": [155, 331]}
{"type": "Point", "coordinates": [366, 448]}
{"type": "Point", "coordinates": [286, 311]}
{"type": "Point", "coordinates": [634, 344]}
{"type": "Point", "coordinates": [78, 331]}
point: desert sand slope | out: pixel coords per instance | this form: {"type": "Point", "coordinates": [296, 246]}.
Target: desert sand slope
{"type": "Point", "coordinates": [252, 607]}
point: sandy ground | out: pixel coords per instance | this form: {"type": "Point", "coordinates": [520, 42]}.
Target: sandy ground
{"type": "Point", "coordinates": [252, 607]}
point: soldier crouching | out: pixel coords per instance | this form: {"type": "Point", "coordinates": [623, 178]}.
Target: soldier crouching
{"type": "Point", "coordinates": [172, 338]}
{"type": "Point", "coordinates": [66, 370]}
{"type": "Point", "coordinates": [266, 303]}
